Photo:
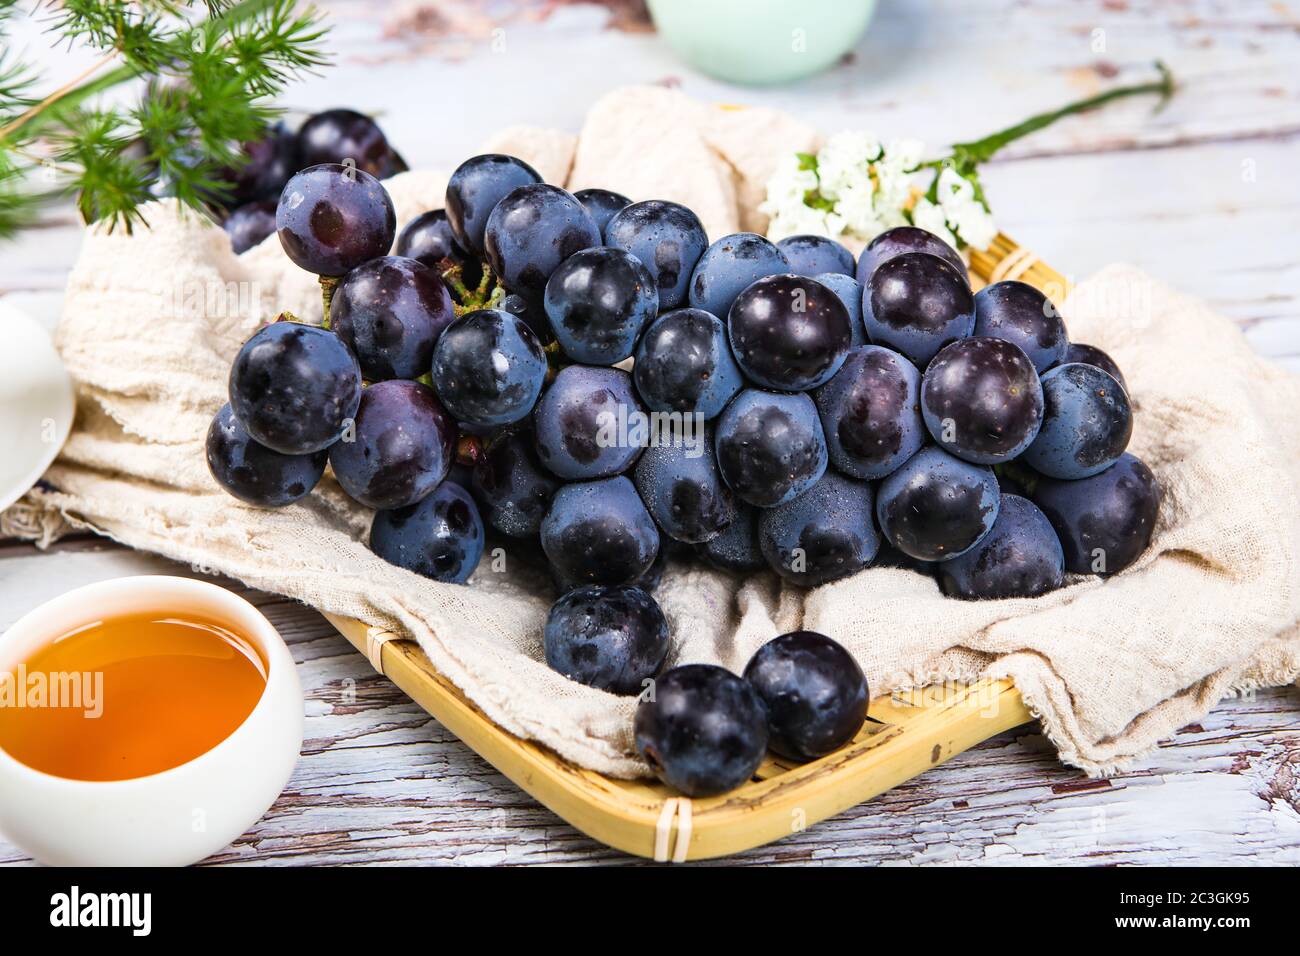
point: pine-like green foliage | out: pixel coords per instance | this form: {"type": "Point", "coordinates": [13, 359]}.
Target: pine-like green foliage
{"type": "Point", "coordinates": [211, 70]}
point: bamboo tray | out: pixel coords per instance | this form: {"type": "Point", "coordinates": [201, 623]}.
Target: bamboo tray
{"type": "Point", "coordinates": [913, 732]}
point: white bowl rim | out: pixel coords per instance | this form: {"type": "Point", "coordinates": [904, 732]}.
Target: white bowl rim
{"type": "Point", "coordinates": [10, 314]}
{"type": "Point", "coordinates": [11, 764]}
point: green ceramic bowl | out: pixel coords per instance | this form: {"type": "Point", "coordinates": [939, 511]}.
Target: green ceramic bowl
{"type": "Point", "coordinates": [761, 41]}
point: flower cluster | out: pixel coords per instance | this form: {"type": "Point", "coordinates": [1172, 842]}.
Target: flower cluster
{"type": "Point", "coordinates": [857, 187]}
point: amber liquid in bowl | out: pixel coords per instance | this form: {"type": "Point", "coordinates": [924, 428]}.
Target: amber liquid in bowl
{"type": "Point", "coordinates": [129, 696]}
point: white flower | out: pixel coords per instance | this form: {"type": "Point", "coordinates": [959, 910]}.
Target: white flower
{"type": "Point", "coordinates": [931, 218]}
{"type": "Point", "coordinates": [963, 212]}
{"type": "Point", "coordinates": [842, 163]}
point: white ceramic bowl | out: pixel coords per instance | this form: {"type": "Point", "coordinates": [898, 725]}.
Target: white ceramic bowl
{"type": "Point", "coordinates": [177, 816]}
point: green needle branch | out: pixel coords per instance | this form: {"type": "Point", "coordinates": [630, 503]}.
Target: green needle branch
{"type": "Point", "coordinates": [211, 69]}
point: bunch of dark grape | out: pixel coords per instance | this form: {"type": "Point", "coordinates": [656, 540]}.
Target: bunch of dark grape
{"type": "Point", "coordinates": [590, 381]}
{"type": "Point", "coordinates": [246, 207]}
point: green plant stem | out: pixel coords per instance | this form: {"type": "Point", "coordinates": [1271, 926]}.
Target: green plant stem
{"type": "Point", "coordinates": [981, 150]}
{"type": "Point", "coordinates": [327, 286]}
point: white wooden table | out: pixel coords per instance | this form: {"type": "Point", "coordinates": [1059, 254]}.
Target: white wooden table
{"type": "Point", "coordinates": [1205, 195]}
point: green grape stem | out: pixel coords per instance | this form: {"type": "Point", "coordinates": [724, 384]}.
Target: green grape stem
{"type": "Point", "coordinates": [327, 286]}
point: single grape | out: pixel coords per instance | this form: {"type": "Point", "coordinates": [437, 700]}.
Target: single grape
{"type": "Point", "coordinates": [402, 446]}
{"type": "Point", "coordinates": [256, 474]}
{"type": "Point", "coordinates": [789, 332]}
{"type": "Point", "coordinates": [1091, 355]}
{"type": "Point", "coordinates": [729, 266]}
{"type": "Point", "coordinates": [902, 239]}
{"type": "Point", "coordinates": [813, 255]}
{"type": "Point", "coordinates": [825, 534]}
{"type": "Point", "coordinates": [601, 204]}
{"type": "Point", "coordinates": [249, 224]}
{"type": "Point", "coordinates": [332, 219]}
{"type": "Point", "coordinates": [488, 368]}
{"type": "Point", "coordinates": [770, 446]}
{"type": "Point", "coordinates": [667, 237]}
{"type": "Point", "coordinates": [1020, 557]}
{"type": "Point", "coordinates": [647, 582]}
{"type": "Point", "coordinates": [936, 506]}
{"type": "Point", "coordinates": [736, 548]}
{"type": "Point", "coordinates": [598, 301]}
{"type": "Point", "coordinates": [294, 387]}
{"type": "Point", "coordinates": [814, 692]}
{"type": "Point", "coordinates": [440, 536]}
{"type": "Point", "coordinates": [532, 314]}
{"type": "Point", "coordinates": [981, 399]}
{"type": "Point", "coordinates": [390, 311]}
{"type": "Point", "coordinates": [684, 364]}
{"type": "Point", "coordinates": [1019, 313]}
{"type": "Point", "coordinates": [1104, 521]}
{"type": "Point", "coordinates": [531, 231]}
{"type": "Point", "coordinates": [475, 188]}
{"type": "Point", "coordinates": [428, 238]}
{"type": "Point", "coordinates": [849, 292]}
{"type": "Point", "coordinates": [1087, 423]}
{"type": "Point", "coordinates": [340, 136]}
{"type": "Point", "coordinates": [871, 412]}
{"type": "Point", "coordinates": [512, 487]}
{"type": "Point", "coordinates": [915, 304]}
{"type": "Point", "coordinates": [704, 731]}
{"type": "Point", "coordinates": [587, 423]}
{"type": "Point", "coordinates": [612, 638]}
{"type": "Point", "coordinates": [681, 487]}
{"type": "Point", "coordinates": [269, 162]}
{"type": "Point", "coordinates": [598, 532]}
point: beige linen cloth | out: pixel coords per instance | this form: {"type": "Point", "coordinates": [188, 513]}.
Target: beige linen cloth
{"type": "Point", "coordinates": [153, 320]}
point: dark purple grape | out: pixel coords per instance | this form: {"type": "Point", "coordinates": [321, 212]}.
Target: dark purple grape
{"type": "Point", "coordinates": [1091, 355]}
{"type": "Point", "coordinates": [981, 399]}
{"type": "Point", "coordinates": [770, 446]}
{"type": "Point", "coordinates": [340, 135]}
{"type": "Point", "coordinates": [531, 231]}
{"type": "Point", "coordinates": [440, 536]}
{"type": "Point", "coordinates": [332, 219]}
{"type": "Point", "coordinates": [814, 692]}
{"type": "Point", "coordinates": [270, 161]}
{"type": "Point", "coordinates": [935, 506]}
{"type": "Point", "coordinates": [667, 237]}
{"type": "Point", "coordinates": [916, 303]}
{"type": "Point", "coordinates": [294, 387]}
{"type": "Point", "coordinates": [736, 548]}
{"type": "Point", "coordinates": [681, 488]}
{"type": "Point", "coordinates": [613, 638]}
{"type": "Point", "coordinates": [390, 311]}
{"type": "Point", "coordinates": [402, 446]}
{"type": "Point", "coordinates": [684, 364]}
{"type": "Point", "coordinates": [428, 238]}
{"type": "Point", "coordinates": [728, 267]}
{"type": "Point", "coordinates": [601, 204]}
{"type": "Point", "coordinates": [812, 255]}
{"type": "Point", "coordinates": [488, 368]}
{"type": "Point", "coordinates": [871, 412]}
{"type": "Point", "coordinates": [598, 532]}
{"type": "Point", "coordinates": [1105, 521]}
{"type": "Point", "coordinates": [1019, 313]}
{"type": "Point", "coordinates": [903, 239]}
{"type": "Point", "coordinates": [825, 534]}
{"type": "Point", "coordinates": [849, 292]}
{"type": "Point", "coordinates": [587, 423]}
{"type": "Point", "coordinates": [1020, 557]}
{"type": "Point", "coordinates": [512, 487]}
{"type": "Point", "coordinates": [532, 314]}
{"type": "Point", "coordinates": [249, 224]}
{"type": "Point", "coordinates": [256, 474]}
{"type": "Point", "coordinates": [598, 301]}
{"type": "Point", "coordinates": [1087, 423]}
{"type": "Point", "coordinates": [789, 332]}
{"type": "Point", "coordinates": [704, 731]}
{"type": "Point", "coordinates": [475, 188]}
